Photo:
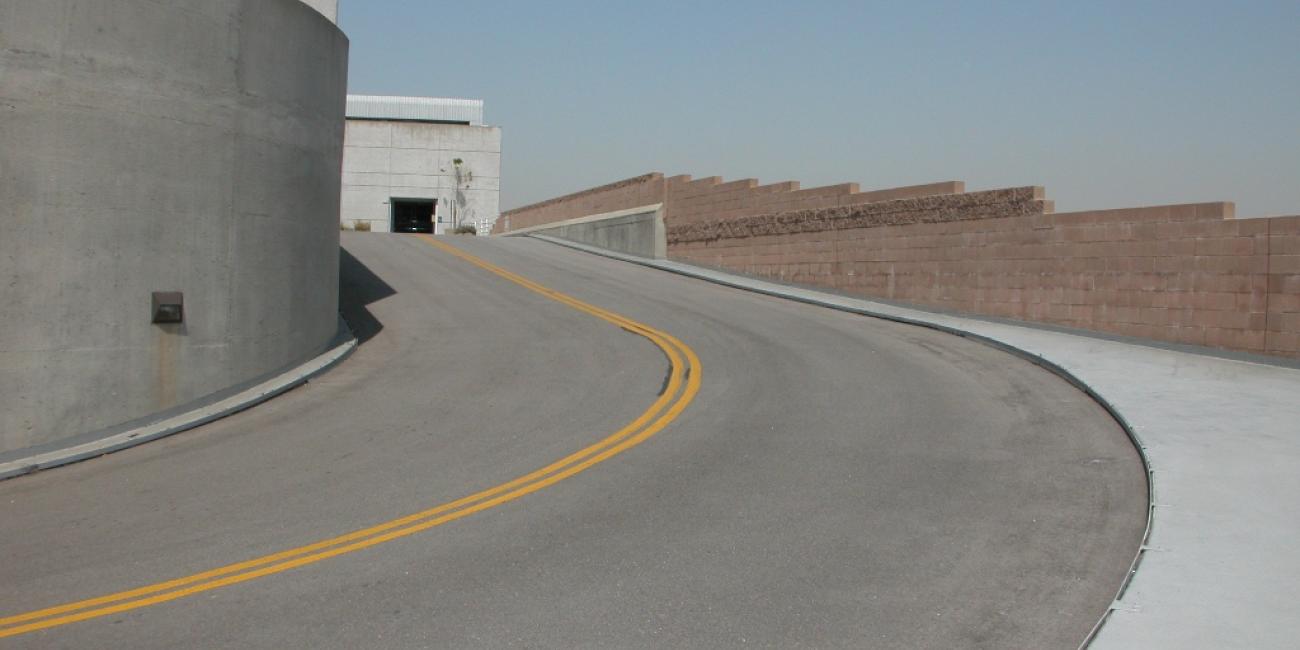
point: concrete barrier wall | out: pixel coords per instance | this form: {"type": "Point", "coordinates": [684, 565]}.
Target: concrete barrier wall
{"type": "Point", "coordinates": [189, 145]}
{"type": "Point", "coordinates": [1182, 273]}
{"type": "Point", "coordinates": [620, 195]}
{"type": "Point", "coordinates": [637, 231]}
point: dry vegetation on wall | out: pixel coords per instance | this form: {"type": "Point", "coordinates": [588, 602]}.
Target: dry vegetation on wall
{"type": "Point", "coordinates": [1180, 273]}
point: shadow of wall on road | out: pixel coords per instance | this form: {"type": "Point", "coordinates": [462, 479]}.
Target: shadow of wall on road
{"type": "Point", "coordinates": [358, 287]}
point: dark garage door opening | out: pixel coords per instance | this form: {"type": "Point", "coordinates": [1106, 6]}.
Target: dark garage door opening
{"type": "Point", "coordinates": [413, 215]}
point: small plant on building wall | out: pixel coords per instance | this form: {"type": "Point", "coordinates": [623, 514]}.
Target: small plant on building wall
{"type": "Point", "coordinates": [460, 211]}
{"type": "Point", "coordinates": [462, 175]}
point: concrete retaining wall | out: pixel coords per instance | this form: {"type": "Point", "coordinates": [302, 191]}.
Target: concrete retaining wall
{"type": "Point", "coordinates": [637, 231]}
{"type": "Point", "coordinates": [1185, 273]}
{"type": "Point", "coordinates": [621, 195]}
{"type": "Point", "coordinates": [190, 145]}
{"type": "Point", "coordinates": [1189, 274]}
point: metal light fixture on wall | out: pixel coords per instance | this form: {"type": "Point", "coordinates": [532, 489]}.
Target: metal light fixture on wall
{"type": "Point", "coordinates": [168, 307]}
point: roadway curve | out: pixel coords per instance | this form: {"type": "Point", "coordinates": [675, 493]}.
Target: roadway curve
{"type": "Point", "coordinates": [837, 481]}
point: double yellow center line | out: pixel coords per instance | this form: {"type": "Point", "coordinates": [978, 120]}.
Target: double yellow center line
{"type": "Point", "coordinates": [683, 384]}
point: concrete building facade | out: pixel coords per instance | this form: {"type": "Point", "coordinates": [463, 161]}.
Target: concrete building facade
{"type": "Point", "coordinates": [419, 164]}
{"type": "Point", "coordinates": [188, 146]}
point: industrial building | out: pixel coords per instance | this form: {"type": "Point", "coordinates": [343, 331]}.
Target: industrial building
{"type": "Point", "coordinates": [419, 164]}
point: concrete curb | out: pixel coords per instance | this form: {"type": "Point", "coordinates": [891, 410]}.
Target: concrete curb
{"type": "Point", "coordinates": [340, 348]}
{"type": "Point", "coordinates": [1036, 359]}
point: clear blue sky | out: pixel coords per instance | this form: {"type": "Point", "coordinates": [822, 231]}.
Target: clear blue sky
{"type": "Point", "coordinates": [1108, 104]}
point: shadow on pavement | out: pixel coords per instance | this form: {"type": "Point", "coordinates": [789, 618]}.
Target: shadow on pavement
{"type": "Point", "coordinates": [358, 287]}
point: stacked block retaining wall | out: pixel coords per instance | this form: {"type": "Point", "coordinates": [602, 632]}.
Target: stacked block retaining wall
{"type": "Point", "coordinates": [1190, 274]}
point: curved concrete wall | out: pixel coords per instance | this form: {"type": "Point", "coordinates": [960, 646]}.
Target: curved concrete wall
{"type": "Point", "coordinates": [327, 8]}
{"type": "Point", "coordinates": [187, 145]}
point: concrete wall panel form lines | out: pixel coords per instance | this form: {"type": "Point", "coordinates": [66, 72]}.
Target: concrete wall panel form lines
{"type": "Point", "coordinates": [188, 146]}
{"type": "Point", "coordinates": [384, 160]}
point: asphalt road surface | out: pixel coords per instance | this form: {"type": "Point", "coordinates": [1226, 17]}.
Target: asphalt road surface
{"type": "Point", "coordinates": [837, 481]}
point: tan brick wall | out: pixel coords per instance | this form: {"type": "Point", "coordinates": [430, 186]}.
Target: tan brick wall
{"type": "Point", "coordinates": [691, 203]}
{"type": "Point", "coordinates": [949, 207]}
{"type": "Point", "coordinates": [1181, 273]}
{"type": "Point", "coordinates": [688, 200]}
{"type": "Point", "coordinates": [1283, 328]}
{"type": "Point", "coordinates": [1184, 273]}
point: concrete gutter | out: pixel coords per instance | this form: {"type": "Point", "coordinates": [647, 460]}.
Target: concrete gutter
{"type": "Point", "coordinates": [343, 344]}
{"type": "Point", "coordinates": [1221, 441]}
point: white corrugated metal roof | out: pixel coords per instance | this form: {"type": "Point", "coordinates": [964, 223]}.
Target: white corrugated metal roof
{"type": "Point", "coordinates": [428, 109]}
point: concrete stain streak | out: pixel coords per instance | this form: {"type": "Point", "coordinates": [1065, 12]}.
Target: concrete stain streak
{"type": "Point", "coordinates": [167, 344]}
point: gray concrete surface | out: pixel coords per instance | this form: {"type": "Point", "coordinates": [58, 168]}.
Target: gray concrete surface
{"type": "Point", "coordinates": [327, 8]}
{"type": "Point", "coordinates": [186, 146]}
{"type": "Point", "coordinates": [1222, 436]}
{"type": "Point", "coordinates": [635, 231]}
{"type": "Point", "coordinates": [58, 454]}
{"type": "Point", "coordinates": [385, 159]}
{"type": "Point", "coordinates": [838, 482]}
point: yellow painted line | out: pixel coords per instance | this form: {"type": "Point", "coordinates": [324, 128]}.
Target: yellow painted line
{"type": "Point", "coordinates": [684, 383]}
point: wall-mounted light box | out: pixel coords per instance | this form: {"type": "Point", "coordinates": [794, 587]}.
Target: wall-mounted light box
{"type": "Point", "coordinates": [168, 307]}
